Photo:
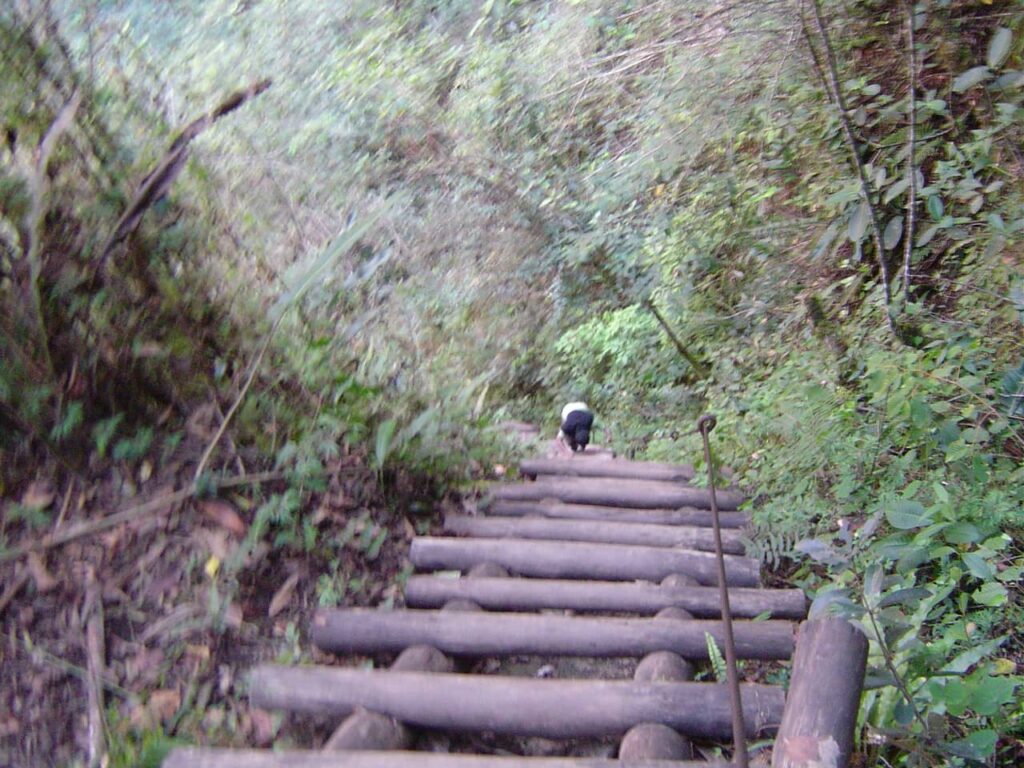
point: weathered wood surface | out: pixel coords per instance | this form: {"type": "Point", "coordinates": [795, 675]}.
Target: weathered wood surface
{"type": "Point", "coordinates": [521, 706]}
{"type": "Point", "coordinates": [193, 757]}
{"type": "Point", "coordinates": [824, 696]}
{"type": "Point", "coordinates": [662, 667]}
{"type": "Point", "coordinates": [557, 509]}
{"type": "Point", "coordinates": [580, 560]}
{"type": "Point", "coordinates": [613, 492]}
{"type": "Point", "coordinates": [654, 741]}
{"type": "Point", "coordinates": [600, 596]}
{"type": "Point", "coordinates": [370, 730]}
{"type": "Point", "coordinates": [357, 630]}
{"type": "Point", "coordinates": [597, 531]}
{"type": "Point", "coordinates": [620, 468]}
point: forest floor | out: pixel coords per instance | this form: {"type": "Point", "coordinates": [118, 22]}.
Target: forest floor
{"type": "Point", "coordinates": [184, 602]}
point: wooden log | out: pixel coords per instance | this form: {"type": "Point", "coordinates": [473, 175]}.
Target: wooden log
{"type": "Point", "coordinates": [675, 613]}
{"type": "Point", "coordinates": [663, 666]}
{"type": "Point", "coordinates": [613, 492]}
{"type": "Point", "coordinates": [681, 516]}
{"type": "Point", "coordinates": [620, 468]}
{"type": "Point", "coordinates": [361, 630]}
{"type": "Point", "coordinates": [579, 560]}
{"type": "Point", "coordinates": [491, 570]}
{"type": "Point", "coordinates": [371, 730]}
{"type": "Point", "coordinates": [678, 536]}
{"type": "Point", "coordinates": [654, 741]}
{"type": "Point", "coordinates": [674, 580]}
{"type": "Point", "coordinates": [600, 596]}
{"type": "Point", "coordinates": [422, 658]}
{"type": "Point", "coordinates": [551, 708]}
{"type": "Point", "coordinates": [195, 757]}
{"type": "Point", "coordinates": [824, 696]}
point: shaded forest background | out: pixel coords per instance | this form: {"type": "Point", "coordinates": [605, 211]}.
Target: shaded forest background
{"type": "Point", "coordinates": [287, 265]}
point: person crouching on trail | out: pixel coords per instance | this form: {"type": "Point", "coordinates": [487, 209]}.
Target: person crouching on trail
{"type": "Point", "coordinates": [577, 421]}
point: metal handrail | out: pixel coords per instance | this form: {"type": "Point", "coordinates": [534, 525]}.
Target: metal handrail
{"type": "Point", "coordinates": [705, 424]}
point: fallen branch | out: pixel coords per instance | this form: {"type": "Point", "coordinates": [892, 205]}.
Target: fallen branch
{"type": "Point", "coordinates": [89, 527]}
{"type": "Point", "coordinates": [95, 654]}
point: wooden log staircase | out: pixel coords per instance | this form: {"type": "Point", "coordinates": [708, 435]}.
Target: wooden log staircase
{"type": "Point", "coordinates": [588, 557]}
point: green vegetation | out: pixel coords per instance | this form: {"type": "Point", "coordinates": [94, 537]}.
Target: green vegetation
{"type": "Point", "coordinates": [444, 213]}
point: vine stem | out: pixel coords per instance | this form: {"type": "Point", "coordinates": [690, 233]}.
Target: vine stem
{"type": "Point", "coordinates": [908, 243]}
{"type": "Point", "coordinates": [829, 72]}
{"type": "Point", "coordinates": [901, 684]}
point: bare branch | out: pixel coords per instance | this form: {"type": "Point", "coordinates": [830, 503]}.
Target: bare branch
{"type": "Point", "coordinates": [830, 68]}
{"type": "Point", "coordinates": [159, 180]}
{"type": "Point", "coordinates": [908, 243]}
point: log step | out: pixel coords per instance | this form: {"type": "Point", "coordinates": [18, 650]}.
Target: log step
{"type": "Point", "coordinates": [550, 708]}
{"type": "Point", "coordinates": [603, 532]}
{"type": "Point", "coordinates": [614, 492]}
{"type": "Point", "coordinates": [463, 633]}
{"type": "Point", "coordinates": [620, 468]}
{"type": "Point", "coordinates": [580, 560]}
{"type": "Point", "coordinates": [193, 757]}
{"type": "Point", "coordinates": [556, 509]}
{"type": "Point", "coordinates": [612, 596]}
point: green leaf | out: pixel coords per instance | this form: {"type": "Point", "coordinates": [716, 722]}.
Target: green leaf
{"type": "Point", "coordinates": [382, 445]}
{"type": "Point", "coordinates": [964, 661]}
{"type": "Point", "coordinates": [716, 658]}
{"type": "Point", "coordinates": [859, 222]}
{"type": "Point", "coordinates": [893, 232]}
{"type": "Point", "coordinates": [907, 514]}
{"type": "Point", "coordinates": [999, 47]}
{"type": "Point", "coordinates": [935, 207]}
{"type": "Point", "coordinates": [992, 594]}
{"type": "Point", "coordinates": [1011, 79]}
{"type": "Point", "coordinates": [979, 567]}
{"type": "Point", "coordinates": [302, 277]}
{"type": "Point", "coordinates": [962, 533]}
{"type": "Point", "coordinates": [873, 580]}
{"type": "Point", "coordinates": [896, 190]}
{"type": "Point", "coordinates": [374, 549]}
{"type": "Point", "coordinates": [983, 741]}
{"type": "Point", "coordinates": [926, 237]}
{"type": "Point", "coordinates": [904, 596]}
{"type": "Point", "coordinates": [988, 694]}
{"type": "Point", "coordinates": [970, 78]}
{"type": "Point", "coordinates": [104, 431]}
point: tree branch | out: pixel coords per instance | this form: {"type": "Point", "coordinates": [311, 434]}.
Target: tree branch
{"type": "Point", "coordinates": [908, 243]}
{"type": "Point", "coordinates": [829, 67]}
{"type": "Point", "coordinates": [698, 367]}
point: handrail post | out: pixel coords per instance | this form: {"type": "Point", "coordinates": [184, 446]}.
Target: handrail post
{"type": "Point", "coordinates": [739, 734]}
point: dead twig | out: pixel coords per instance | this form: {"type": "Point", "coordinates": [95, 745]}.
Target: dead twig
{"type": "Point", "coordinates": [89, 527]}
{"type": "Point", "coordinates": [253, 369]}
{"type": "Point", "coordinates": [64, 505]}
{"type": "Point", "coordinates": [95, 643]}
{"type": "Point", "coordinates": [13, 589]}
{"type": "Point", "coordinates": [42, 656]}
